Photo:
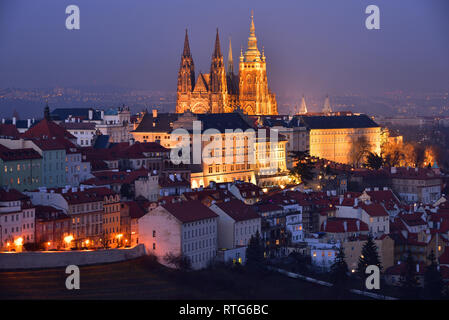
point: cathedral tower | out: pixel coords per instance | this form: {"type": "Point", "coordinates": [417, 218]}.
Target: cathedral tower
{"type": "Point", "coordinates": [186, 75]}
{"type": "Point", "coordinates": [254, 95]}
{"type": "Point", "coordinates": [218, 87]}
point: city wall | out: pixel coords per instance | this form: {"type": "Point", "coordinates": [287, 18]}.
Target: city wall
{"type": "Point", "coordinates": [38, 260]}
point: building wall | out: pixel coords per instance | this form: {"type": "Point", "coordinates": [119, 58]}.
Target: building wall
{"type": "Point", "coordinates": [39, 260]}
{"type": "Point", "coordinates": [336, 144]}
{"type": "Point", "coordinates": [21, 174]}
{"type": "Point", "coordinates": [167, 233]}
{"type": "Point", "coordinates": [199, 242]}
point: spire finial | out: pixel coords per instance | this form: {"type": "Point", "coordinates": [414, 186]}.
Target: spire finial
{"type": "Point", "coordinates": [217, 50]}
{"type": "Point", "coordinates": [230, 60]}
{"type": "Point", "coordinates": [186, 52]}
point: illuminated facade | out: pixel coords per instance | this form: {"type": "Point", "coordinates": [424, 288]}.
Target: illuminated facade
{"type": "Point", "coordinates": [222, 91]}
{"type": "Point", "coordinates": [335, 137]}
{"type": "Point", "coordinates": [249, 161]}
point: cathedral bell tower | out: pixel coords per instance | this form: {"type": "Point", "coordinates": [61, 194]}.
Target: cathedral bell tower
{"type": "Point", "coordinates": [218, 86]}
{"type": "Point", "coordinates": [254, 95]}
{"type": "Point", "coordinates": [186, 76]}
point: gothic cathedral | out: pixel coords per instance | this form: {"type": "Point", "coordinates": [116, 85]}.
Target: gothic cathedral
{"type": "Point", "coordinates": [222, 90]}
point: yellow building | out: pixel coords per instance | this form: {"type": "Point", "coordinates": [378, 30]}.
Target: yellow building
{"type": "Point", "coordinates": [343, 139]}
{"type": "Point", "coordinates": [233, 150]}
{"type": "Point", "coordinates": [222, 91]}
{"type": "Point", "coordinates": [112, 235]}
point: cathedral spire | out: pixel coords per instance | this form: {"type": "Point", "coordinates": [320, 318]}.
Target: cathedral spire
{"type": "Point", "coordinates": [186, 52]}
{"type": "Point", "coordinates": [252, 53]}
{"type": "Point", "coordinates": [230, 60]}
{"type": "Point", "coordinates": [303, 107]}
{"type": "Point", "coordinates": [252, 29]}
{"type": "Point", "coordinates": [217, 50]}
{"type": "Point", "coordinates": [327, 105]}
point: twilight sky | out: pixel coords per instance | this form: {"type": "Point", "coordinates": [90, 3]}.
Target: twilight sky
{"type": "Point", "coordinates": [313, 46]}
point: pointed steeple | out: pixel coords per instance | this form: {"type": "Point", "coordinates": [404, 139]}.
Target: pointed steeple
{"type": "Point", "coordinates": [47, 112]}
{"type": "Point", "coordinates": [230, 60]}
{"type": "Point", "coordinates": [217, 50]}
{"type": "Point", "coordinates": [327, 105]}
{"type": "Point", "coordinates": [186, 52]}
{"type": "Point", "coordinates": [252, 53]}
{"type": "Point", "coordinates": [303, 107]}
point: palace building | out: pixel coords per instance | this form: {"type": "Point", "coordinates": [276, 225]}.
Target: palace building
{"type": "Point", "coordinates": [221, 90]}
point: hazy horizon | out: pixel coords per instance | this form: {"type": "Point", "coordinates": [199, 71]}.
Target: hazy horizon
{"type": "Point", "coordinates": [311, 47]}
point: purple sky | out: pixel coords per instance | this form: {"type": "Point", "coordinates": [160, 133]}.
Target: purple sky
{"type": "Point", "coordinates": [311, 46]}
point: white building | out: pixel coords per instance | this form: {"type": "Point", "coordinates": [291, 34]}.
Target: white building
{"type": "Point", "coordinates": [323, 254]}
{"type": "Point", "coordinates": [237, 223]}
{"type": "Point", "coordinates": [293, 224]}
{"type": "Point", "coordinates": [373, 214]}
{"type": "Point", "coordinates": [83, 131]}
{"type": "Point", "coordinates": [186, 228]}
{"type": "Point", "coordinates": [17, 220]}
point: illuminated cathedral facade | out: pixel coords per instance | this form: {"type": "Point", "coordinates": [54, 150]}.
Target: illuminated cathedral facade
{"type": "Point", "coordinates": [221, 90]}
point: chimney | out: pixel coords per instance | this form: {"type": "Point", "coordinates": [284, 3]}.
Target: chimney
{"type": "Point", "coordinates": [102, 114]}
{"type": "Point", "coordinates": [29, 123]}
{"type": "Point", "coordinates": [91, 114]}
{"type": "Point", "coordinates": [3, 120]}
{"type": "Point", "coordinates": [154, 113]}
{"type": "Point", "coordinates": [14, 120]}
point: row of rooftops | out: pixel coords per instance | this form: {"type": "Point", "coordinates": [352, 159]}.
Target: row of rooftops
{"type": "Point", "coordinates": [165, 122]}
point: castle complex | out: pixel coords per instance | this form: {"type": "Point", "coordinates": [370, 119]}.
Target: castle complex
{"type": "Point", "coordinates": [221, 90]}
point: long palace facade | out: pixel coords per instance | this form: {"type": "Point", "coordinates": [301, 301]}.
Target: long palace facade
{"type": "Point", "coordinates": [221, 90]}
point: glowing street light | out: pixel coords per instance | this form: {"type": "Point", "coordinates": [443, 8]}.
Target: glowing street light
{"type": "Point", "coordinates": [68, 239]}
{"type": "Point", "coordinates": [18, 242]}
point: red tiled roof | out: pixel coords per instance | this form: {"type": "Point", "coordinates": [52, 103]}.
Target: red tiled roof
{"type": "Point", "coordinates": [238, 210]}
{"type": "Point", "coordinates": [9, 130]}
{"type": "Point", "coordinates": [189, 211]}
{"type": "Point", "coordinates": [103, 178]}
{"type": "Point", "coordinates": [7, 154]}
{"type": "Point", "coordinates": [86, 196]}
{"type": "Point", "coordinates": [12, 195]}
{"type": "Point", "coordinates": [373, 209]}
{"type": "Point", "coordinates": [137, 210]}
{"type": "Point", "coordinates": [49, 129]}
{"type": "Point", "coordinates": [336, 225]}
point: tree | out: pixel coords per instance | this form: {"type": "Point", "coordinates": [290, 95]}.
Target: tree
{"type": "Point", "coordinates": [255, 252]}
{"type": "Point", "coordinates": [359, 148]}
{"type": "Point", "coordinates": [126, 191]}
{"type": "Point", "coordinates": [303, 169]}
{"type": "Point", "coordinates": [368, 257]}
{"type": "Point", "coordinates": [374, 161]}
{"type": "Point", "coordinates": [339, 275]}
{"type": "Point", "coordinates": [409, 282]}
{"type": "Point", "coordinates": [180, 261]}
{"type": "Point", "coordinates": [433, 281]}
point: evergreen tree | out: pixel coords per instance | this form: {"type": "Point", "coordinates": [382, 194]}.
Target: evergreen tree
{"type": "Point", "coordinates": [303, 170]}
{"type": "Point", "coordinates": [433, 282]}
{"type": "Point", "coordinates": [409, 281]}
{"type": "Point", "coordinates": [255, 252]}
{"type": "Point", "coordinates": [368, 257]}
{"type": "Point", "coordinates": [339, 275]}
{"type": "Point", "coordinates": [373, 161]}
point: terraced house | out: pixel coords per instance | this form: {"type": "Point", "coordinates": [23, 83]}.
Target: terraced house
{"type": "Point", "coordinates": [20, 168]}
